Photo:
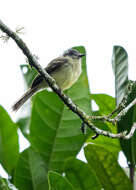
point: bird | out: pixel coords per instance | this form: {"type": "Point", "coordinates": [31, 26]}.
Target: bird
{"type": "Point", "coordinates": [65, 69]}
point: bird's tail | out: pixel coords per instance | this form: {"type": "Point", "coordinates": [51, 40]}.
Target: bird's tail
{"type": "Point", "coordinates": [24, 98]}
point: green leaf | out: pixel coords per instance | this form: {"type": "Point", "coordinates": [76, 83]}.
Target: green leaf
{"type": "Point", "coordinates": [57, 182]}
{"type": "Point", "coordinates": [29, 73]}
{"type": "Point", "coordinates": [107, 169]}
{"type": "Point", "coordinates": [106, 105]}
{"type": "Point", "coordinates": [125, 124]}
{"type": "Point", "coordinates": [9, 148]}
{"type": "Point", "coordinates": [23, 123]}
{"type": "Point", "coordinates": [80, 175]}
{"type": "Point", "coordinates": [120, 68]}
{"type": "Point", "coordinates": [54, 129]}
{"type": "Point", "coordinates": [112, 145]}
{"type": "Point", "coordinates": [120, 65]}
{"type": "Point", "coordinates": [30, 172]}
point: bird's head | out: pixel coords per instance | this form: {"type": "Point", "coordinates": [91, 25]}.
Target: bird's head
{"type": "Point", "coordinates": [75, 54]}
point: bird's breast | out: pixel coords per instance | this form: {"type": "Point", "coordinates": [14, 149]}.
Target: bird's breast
{"type": "Point", "coordinates": [76, 70]}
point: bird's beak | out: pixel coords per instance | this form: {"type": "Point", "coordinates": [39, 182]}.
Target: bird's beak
{"type": "Point", "coordinates": [81, 55]}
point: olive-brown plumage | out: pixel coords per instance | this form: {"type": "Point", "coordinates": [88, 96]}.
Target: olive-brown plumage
{"type": "Point", "coordinates": [65, 70]}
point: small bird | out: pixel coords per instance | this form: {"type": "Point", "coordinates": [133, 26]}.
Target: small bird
{"type": "Point", "coordinates": [65, 69]}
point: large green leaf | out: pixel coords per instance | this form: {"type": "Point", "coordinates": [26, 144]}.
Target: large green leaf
{"type": "Point", "coordinates": [106, 105]}
{"type": "Point", "coordinates": [107, 169]}
{"type": "Point", "coordinates": [126, 122]}
{"type": "Point", "coordinates": [81, 176]}
{"type": "Point", "coordinates": [112, 145]}
{"type": "Point", "coordinates": [9, 148]}
{"type": "Point", "coordinates": [120, 68]}
{"type": "Point", "coordinates": [30, 173]}
{"type": "Point", "coordinates": [120, 64]}
{"type": "Point", "coordinates": [57, 182]}
{"type": "Point", "coordinates": [54, 129]}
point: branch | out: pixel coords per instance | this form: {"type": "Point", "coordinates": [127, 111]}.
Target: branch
{"type": "Point", "coordinates": [124, 111]}
{"type": "Point", "coordinates": [122, 108]}
{"type": "Point", "coordinates": [131, 133]}
{"type": "Point", "coordinates": [51, 82]}
{"type": "Point", "coordinates": [122, 135]}
{"type": "Point", "coordinates": [118, 117]}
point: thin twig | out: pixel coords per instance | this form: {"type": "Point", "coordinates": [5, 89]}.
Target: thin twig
{"type": "Point", "coordinates": [102, 118]}
{"type": "Point", "coordinates": [51, 82]}
{"type": "Point", "coordinates": [131, 133]}
{"type": "Point", "coordinates": [122, 135]}
{"type": "Point", "coordinates": [124, 111]}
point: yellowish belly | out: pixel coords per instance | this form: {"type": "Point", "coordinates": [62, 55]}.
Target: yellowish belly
{"type": "Point", "coordinates": [66, 76]}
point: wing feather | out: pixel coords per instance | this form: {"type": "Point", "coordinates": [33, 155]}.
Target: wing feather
{"type": "Point", "coordinates": [51, 67]}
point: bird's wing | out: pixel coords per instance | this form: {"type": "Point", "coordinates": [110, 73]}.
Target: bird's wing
{"type": "Point", "coordinates": [51, 67]}
{"type": "Point", "coordinates": [55, 64]}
